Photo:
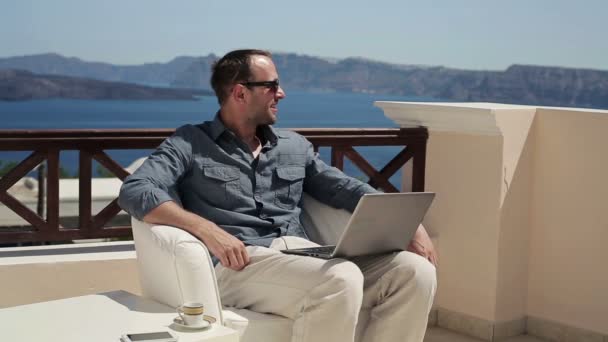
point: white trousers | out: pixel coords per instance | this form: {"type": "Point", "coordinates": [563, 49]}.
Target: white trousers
{"type": "Point", "coordinates": [393, 293]}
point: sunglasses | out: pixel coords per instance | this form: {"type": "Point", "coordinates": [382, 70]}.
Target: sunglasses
{"type": "Point", "coordinates": [272, 85]}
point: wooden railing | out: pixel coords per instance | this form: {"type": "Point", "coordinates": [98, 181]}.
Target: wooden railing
{"type": "Point", "coordinates": [91, 144]}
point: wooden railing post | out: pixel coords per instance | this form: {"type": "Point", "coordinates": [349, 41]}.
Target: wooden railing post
{"type": "Point", "coordinates": [40, 207]}
{"type": "Point", "coordinates": [419, 167]}
{"type": "Point", "coordinates": [52, 190]}
{"type": "Point", "coordinates": [85, 197]}
{"type": "Point", "coordinates": [337, 157]}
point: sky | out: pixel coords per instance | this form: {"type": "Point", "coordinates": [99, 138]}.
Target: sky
{"type": "Point", "coordinates": [466, 34]}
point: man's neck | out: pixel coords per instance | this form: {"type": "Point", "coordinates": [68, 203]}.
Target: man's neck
{"type": "Point", "coordinates": [242, 129]}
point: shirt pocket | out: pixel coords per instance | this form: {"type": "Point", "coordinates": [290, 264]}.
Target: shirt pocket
{"type": "Point", "coordinates": [221, 184]}
{"type": "Point", "coordinates": [288, 187]}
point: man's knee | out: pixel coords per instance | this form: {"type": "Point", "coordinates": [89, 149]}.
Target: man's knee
{"type": "Point", "coordinates": [346, 280]}
{"type": "Point", "coordinates": [416, 271]}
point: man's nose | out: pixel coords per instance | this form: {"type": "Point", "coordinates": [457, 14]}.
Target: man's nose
{"type": "Point", "coordinates": [280, 93]}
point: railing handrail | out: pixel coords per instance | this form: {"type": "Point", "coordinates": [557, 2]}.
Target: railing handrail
{"type": "Point", "coordinates": [164, 132]}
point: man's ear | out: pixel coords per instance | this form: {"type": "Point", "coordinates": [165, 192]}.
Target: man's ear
{"type": "Point", "coordinates": [238, 93]}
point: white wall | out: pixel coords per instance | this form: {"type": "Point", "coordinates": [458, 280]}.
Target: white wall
{"type": "Point", "coordinates": [568, 278]}
{"type": "Point", "coordinates": [73, 272]}
{"type": "Point", "coordinates": [521, 213]}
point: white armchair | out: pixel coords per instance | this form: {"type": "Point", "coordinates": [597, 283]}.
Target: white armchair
{"type": "Point", "coordinates": [175, 267]}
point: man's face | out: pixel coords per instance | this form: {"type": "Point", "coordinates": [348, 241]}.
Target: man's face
{"type": "Point", "coordinates": [262, 107]}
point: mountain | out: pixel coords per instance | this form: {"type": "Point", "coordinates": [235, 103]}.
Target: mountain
{"type": "Point", "coordinates": [518, 84]}
{"type": "Point", "coordinates": [195, 75]}
{"type": "Point", "coordinates": [545, 85]}
{"type": "Point", "coordinates": [17, 85]}
{"type": "Point", "coordinates": [54, 64]}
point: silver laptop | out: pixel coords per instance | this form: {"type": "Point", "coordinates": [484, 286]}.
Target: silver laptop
{"type": "Point", "coordinates": [381, 223]}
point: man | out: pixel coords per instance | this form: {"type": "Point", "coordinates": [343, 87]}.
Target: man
{"type": "Point", "coordinates": [236, 183]}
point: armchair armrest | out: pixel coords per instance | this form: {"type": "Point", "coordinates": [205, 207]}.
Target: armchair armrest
{"type": "Point", "coordinates": [175, 267]}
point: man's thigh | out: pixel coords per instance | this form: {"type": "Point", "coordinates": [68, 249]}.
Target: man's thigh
{"type": "Point", "coordinates": [278, 283]}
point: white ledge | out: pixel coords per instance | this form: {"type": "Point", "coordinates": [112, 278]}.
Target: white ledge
{"type": "Point", "coordinates": [474, 117]}
{"type": "Point", "coordinates": [116, 250]}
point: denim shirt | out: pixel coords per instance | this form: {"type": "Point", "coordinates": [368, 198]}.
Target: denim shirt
{"type": "Point", "coordinates": [209, 171]}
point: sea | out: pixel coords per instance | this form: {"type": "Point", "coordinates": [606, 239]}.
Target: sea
{"type": "Point", "coordinates": [298, 110]}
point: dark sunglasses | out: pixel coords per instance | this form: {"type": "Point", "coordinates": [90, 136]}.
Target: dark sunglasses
{"type": "Point", "coordinates": [272, 85]}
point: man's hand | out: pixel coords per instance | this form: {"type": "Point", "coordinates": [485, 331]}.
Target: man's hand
{"type": "Point", "coordinates": [422, 245]}
{"type": "Point", "coordinates": [229, 250]}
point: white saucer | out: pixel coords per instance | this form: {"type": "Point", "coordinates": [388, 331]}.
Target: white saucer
{"type": "Point", "coordinates": [206, 323]}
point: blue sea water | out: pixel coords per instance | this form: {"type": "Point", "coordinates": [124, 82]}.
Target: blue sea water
{"type": "Point", "coordinates": [297, 110]}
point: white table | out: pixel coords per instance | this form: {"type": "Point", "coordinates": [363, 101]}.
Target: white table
{"type": "Point", "coordinates": [101, 317]}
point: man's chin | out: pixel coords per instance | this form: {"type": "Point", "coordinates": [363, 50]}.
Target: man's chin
{"type": "Point", "coordinates": [272, 118]}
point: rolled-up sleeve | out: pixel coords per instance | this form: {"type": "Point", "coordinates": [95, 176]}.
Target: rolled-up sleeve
{"type": "Point", "coordinates": [156, 181]}
{"type": "Point", "coordinates": [330, 185]}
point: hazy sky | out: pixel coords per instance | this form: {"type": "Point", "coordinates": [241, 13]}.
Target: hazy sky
{"type": "Point", "coordinates": [470, 34]}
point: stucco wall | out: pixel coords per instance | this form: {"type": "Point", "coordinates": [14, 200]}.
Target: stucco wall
{"type": "Point", "coordinates": [568, 277]}
{"type": "Point", "coordinates": [521, 213]}
{"type": "Point", "coordinates": [50, 276]}
{"type": "Point", "coordinates": [518, 131]}
{"type": "Point", "coordinates": [463, 171]}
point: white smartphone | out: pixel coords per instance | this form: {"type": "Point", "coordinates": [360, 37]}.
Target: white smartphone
{"type": "Point", "coordinates": [159, 336]}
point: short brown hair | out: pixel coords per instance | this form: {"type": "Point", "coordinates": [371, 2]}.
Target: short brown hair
{"type": "Point", "coordinates": [234, 67]}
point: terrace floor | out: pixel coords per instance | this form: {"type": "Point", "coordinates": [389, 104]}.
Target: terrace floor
{"type": "Point", "coordinates": [442, 335]}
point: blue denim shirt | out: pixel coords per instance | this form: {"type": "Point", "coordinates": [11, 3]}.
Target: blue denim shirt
{"type": "Point", "coordinates": [209, 171]}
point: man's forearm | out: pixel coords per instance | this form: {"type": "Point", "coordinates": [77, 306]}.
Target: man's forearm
{"type": "Point", "coordinates": [334, 188]}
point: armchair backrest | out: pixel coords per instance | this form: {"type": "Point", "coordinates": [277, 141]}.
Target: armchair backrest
{"type": "Point", "coordinates": [323, 224]}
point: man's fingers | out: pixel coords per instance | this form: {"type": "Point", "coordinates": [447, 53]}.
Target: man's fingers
{"type": "Point", "coordinates": [433, 259]}
{"type": "Point", "coordinates": [223, 260]}
{"type": "Point", "coordinates": [245, 256]}
{"type": "Point", "coordinates": [224, 256]}
{"type": "Point", "coordinates": [234, 263]}
{"type": "Point", "coordinates": [418, 249]}
{"type": "Point", "coordinates": [414, 248]}
{"type": "Point", "coordinates": [239, 258]}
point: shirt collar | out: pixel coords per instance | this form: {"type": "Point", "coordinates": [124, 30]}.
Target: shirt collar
{"type": "Point", "coordinates": [218, 128]}
{"type": "Point", "coordinates": [270, 134]}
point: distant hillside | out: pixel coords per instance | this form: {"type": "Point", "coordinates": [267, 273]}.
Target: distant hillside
{"type": "Point", "coordinates": [18, 85]}
{"type": "Point", "coordinates": [54, 64]}
{"type": "Point", "coordinates": [519, 84]}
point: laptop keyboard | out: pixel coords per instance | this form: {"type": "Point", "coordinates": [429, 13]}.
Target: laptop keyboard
{"type": "Point", "coordinates": [320, 250]}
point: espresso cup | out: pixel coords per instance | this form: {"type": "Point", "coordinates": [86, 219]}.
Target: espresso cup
{"type": "Point", "coordinates": [191, 313]}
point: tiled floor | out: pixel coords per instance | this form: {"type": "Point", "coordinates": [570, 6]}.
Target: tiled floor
{"type": "Point", "coordinates": [442, 335]}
